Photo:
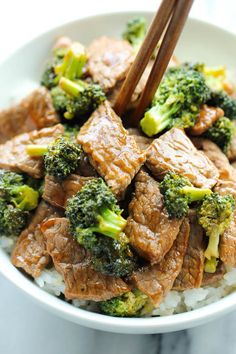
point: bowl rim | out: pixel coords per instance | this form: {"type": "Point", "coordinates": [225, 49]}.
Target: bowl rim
{"type": "Point", "coordinates": [96, 320]}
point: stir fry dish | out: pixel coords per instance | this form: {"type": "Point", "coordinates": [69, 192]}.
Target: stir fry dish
{"type": "Point", "coordinates": [125, 221]}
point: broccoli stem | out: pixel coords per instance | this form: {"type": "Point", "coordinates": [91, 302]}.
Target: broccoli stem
{"type": "Point", "coordinates": [212, 248]}
{"type": "Point", "coordinates": [73, 62]}
{"type": "Point", "coordinates": [109, 223]}
{"type": "Point", "coordinates": [36, 150]}
{"type": "Point", "coordinates": [153, 122]}
{"type": "Point", "coordinates": [210, 265]}
{"type": "Point", "coordinates": [71, 88]}
{"type": "Point", "coordinates": [195, 194]}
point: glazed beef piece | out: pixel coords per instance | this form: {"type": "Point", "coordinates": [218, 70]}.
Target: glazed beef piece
{"type": "Point", "coordinates": [112, 151]}
{"type": "Point", "coordinates": [13, 155]}
{"type": "Point", "coordinates": [206, 118]}
{"type": "Point", "coordinates": [149, 228]}
{"type": "Point", "coordinates": [34, 112]}
{"type": "Point", "coordinates": [73, 263]}
{"type": "Point", "coordinates": [142, 141]}
{"type": "Point", "coordinates": [155, 281]}
{"type": "Point", "coordinates": [228, 239]}
{"type": "Point", "coordinates": [57, 193]}
{"type": "Point", "coordinates": [219, 159]}
{"type": "Point", "coordinates": [232, 149]}
{"type": "Point", "coordinates": [30, 251]}
{"type": "Point", "coordinates": [109, 61]}
{"type": "Point", "coordinates": [174, 151]}
{"type": "Point", "coordinates": [211, 278]}
{"type": "Point", "coordinates": [192, 270]}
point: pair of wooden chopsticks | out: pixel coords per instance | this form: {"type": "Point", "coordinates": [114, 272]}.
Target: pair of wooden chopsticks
{"type": "Point", "coordinates": [170, 19]}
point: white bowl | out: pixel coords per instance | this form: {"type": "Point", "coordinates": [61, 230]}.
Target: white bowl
{"type": "Point", "coordinates": [200, 42]}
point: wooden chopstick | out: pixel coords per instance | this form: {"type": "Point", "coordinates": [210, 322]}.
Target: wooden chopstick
{"type": "Point", "coordinates": [149, 44]}
{"type": "Point", "coordinates": [165, 52]}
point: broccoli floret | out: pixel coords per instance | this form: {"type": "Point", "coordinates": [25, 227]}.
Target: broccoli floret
{"type": "Point", "coordinates": [179, 193]}
{"type": "Point", "coordinates": [214, 215]}
{"type": "Point", "coordinates": [67, 62]}
{"type": "Point", "coordinates": [49, 78]}
{"type": "Point", "coordinates": [135, 32]}
{"type": "Point", "coordinates": [15, 191]}
{"type": "Point", "coordinates": [77, 99]}
{"type": "Point", "coordinates": [110, 257]}
{"type": "Point", "coordinates": [12, 220]}
{"type": "Point", "coordinates": [129, 304]}
{"type": "Point", "coordinates": [60, 100]}
{"type": "Point", "coordinates": [94, 213]}
{"type": "Point", "coordinates": [177, 101]}
{"type": "Point", "coordinates": [221, 133]}
{"type": "Point", "coordinates": [61, 158]}
{"type": "Point", "coordinates": [16, 200]}
{"type": "Point", "coordinates": [95, 209]}
{"type": "Point", "coordinates": [215, 76]}
{"type": "Point", "coordinates": [223, 100]}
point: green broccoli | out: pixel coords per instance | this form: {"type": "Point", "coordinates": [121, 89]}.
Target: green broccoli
{"type": "Point", "coordinates": [109, 256]}
{"type": "Point", "coordinates": [15, 191]}
{"type": "Point", "coordinates": [76, 99]}
{"type": "Point", "coordinates": [177, 101]}
{"type": "Point", "coordinates": [135, 32]}
{"type": "Point", "coordinates": [214, 215]}
{"type": "Point", "coordinates": [95, 209]}
{"type": "Point", "coordinates": [129, 304]}
{"type": "Point", "coordinates": [61, 158]}
{"type": "Point", "coordinates": [67, 62]}
{"type": "Point", "coordinates": [221, 133]}
{"type": "Point", "coordinates": [16, 200]}
{"type": "Point", "coordinates": [12, 219]}
{"type": "Point", "coordinates": [215, 78]}
{"type": "Point", "coordinates": [223, 100]}
{"type": "Point", "coordinates": [94, 213]}
{"type": "Point", "coordinates": [179, 193]}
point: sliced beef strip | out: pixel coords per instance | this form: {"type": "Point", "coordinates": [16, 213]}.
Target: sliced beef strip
{"type": "Point", "coordinates": [142, 141]}
{"type": "Point", "coordinates": [57, 193]}
{"type": "Point", "coordinates": [217, 157]}
{"type": "Point", "coordinates": [34, 112]}
{"type": "Point", "coordinates": [174, 151]}
{"type": "Point", "coordinates": [211, 278]}
{"type": "Point", "coordinates": [228, 239]}
{"type": "Point", "coordinates": [109, 61]}
{"type": "Point", "coordinates": [149, 228]}
{"type": "Point", "coordinates": [155, 281]}
{"type": "Point", "coordinates": [73, 263]}
{"type": "Point", "coordinates": [232, 149]}
{"type": "Point", "coordinates": [112, 151]}
{"type": "Point", "coordinates": [206, 118]}
{"type": "Point", "coordinates": [192, 270]}
{"type": "Point", "coordinates": [30, 251]}
{"type": "Point", "coordinates": [13, 155]}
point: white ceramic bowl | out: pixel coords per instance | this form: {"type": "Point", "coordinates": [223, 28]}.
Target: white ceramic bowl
{"type": "Point", "coordinates": [200, 41]}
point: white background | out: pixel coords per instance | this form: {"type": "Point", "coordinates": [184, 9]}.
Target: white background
{"type": "Point", "coordinates": [24, 327]}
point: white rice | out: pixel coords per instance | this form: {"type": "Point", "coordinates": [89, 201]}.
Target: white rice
{"type": "Point", "coordinates": [51, 281]}
{"type": "Point", "coordinates": [7, 243]}
{"type": "Point", "coordinates": [175, 302]}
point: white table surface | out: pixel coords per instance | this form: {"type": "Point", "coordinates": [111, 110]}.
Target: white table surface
{"type": "Point", "coordinates": [26, 328]}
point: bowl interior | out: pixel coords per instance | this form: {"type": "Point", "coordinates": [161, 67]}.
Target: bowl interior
{"type": "Point", "coordinates": [22, 71]}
